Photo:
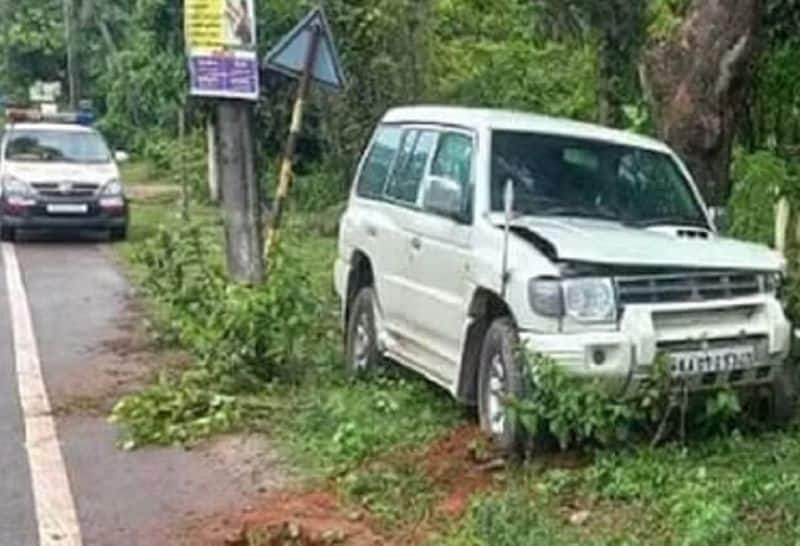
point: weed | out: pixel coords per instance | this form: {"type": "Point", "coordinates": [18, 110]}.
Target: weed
{"type": "Point", "coordinates": [394, 494]}
{"type": "Point", "coordinates": [335, 426]}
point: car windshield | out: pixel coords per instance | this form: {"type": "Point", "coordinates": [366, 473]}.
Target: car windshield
{"type": "Point", "coordinates": [563, 176]}
{"type": "Point", "coordinates": [53, 145]}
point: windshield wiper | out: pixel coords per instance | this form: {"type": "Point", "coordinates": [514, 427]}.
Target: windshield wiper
{"type": "Point", "coordinates": [670, 220]}
{"type": "Point", "coordinates": [581, 212]}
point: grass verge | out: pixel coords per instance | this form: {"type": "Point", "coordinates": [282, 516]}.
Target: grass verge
{"type": "Point", "coordinates": [375, 444]}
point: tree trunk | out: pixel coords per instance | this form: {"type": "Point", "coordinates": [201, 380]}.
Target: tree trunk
{"type": "Point", "coordinates": [698, 82]}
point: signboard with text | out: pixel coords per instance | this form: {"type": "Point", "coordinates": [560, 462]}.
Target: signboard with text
{"type": "Point", "coordinates": [221, 45]}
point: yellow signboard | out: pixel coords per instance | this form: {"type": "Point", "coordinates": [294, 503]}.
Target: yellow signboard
{"type": "Point", "coordinates": [204, 23]}
{"type": "Point", "coordinates": [220, 23]}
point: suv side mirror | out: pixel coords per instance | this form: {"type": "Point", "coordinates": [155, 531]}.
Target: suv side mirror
{"type": "Point", "coordinates": [720, 218]}
{"type": "Point", "coordinates": [121, 157]}
{"type": "Point", "coordinates": [445, 197]}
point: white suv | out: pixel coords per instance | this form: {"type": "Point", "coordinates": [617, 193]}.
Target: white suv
{"type": "Point", "coordinates": [468, 230]}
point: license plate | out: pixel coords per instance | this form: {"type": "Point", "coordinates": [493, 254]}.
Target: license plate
{"type": "Point", "coordinates": [68, 208]}
{"type": "Point", "coordinates": [713, 360]}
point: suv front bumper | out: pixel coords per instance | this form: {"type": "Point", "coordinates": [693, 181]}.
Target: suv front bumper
{"type": "Point", "coordinates": [622, 359]}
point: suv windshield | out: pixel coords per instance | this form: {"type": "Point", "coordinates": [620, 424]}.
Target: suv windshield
{"type": "Point", "coordinates": [51, 145]}
{"type": "Point", "coordinates": [563, 176]}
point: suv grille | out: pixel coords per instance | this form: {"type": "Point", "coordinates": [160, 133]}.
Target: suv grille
{"type": "Point", "coordinates": [690, 287]}
{"type": "Point", "coordinates": [65, 189]}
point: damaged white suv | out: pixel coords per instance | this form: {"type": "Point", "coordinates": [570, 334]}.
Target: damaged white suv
{"type": "Point", "coordinates": [470, 229]}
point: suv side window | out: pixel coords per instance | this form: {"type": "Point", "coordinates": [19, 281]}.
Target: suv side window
{"type": "Point", "coordinates": [410, 167]}
{"type": "Point", "coordinates": [454, 158]}
{"type": "Point", "coordinates": [453, 165]}
{"type": "Point", "coordinates": [379, 162]}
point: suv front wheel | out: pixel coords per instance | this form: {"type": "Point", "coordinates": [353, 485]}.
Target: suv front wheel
{"type": "Point", "coordinates": [361, 342]}
{"type": "Point", "coordinates": [500, 377]}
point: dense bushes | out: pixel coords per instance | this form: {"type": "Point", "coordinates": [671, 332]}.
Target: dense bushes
{"type": "Point", "coordinates": [242, 337]}
{"type": "Point", "coordinates": [760, 179]}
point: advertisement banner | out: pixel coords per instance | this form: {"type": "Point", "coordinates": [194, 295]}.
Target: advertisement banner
{"type": "Point", "coordinates": [221, 46]}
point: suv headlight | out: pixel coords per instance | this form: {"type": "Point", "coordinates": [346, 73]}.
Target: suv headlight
{"type": "Point", "coordinates": [15, 187]}
{"type": "Point", "coordinates": [587, 300]}
{"type": "Point", "coordinates": [590, 300]}
{"type": "Point", "coordinates": [113, 188]}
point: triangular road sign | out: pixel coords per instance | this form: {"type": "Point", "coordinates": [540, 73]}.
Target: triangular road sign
{"type": "Point", "coordinates": [289, 55]}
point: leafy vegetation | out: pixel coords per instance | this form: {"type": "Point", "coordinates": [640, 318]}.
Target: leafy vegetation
{"type": "Point", "coordinates": [728, 491]}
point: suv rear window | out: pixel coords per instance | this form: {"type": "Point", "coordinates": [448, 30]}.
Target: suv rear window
{"type": "Point", "coordinates": [379, 162]}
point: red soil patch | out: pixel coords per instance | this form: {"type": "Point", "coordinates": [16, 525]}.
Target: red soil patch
{"type": "Point", "coordinates": [291, 519]}
{"type": "Point", "coordinates": [460, 467]}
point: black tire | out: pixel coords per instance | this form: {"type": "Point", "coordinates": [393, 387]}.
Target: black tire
{"type": "Point", "coordinates": [783, 407]}
{"type": "Point", "coordinates": [8, 234]}
{"type": "Point", "coordinates": [118, 234]}
{"type": "Point", "coordinates": [498, 369]}
{"type": "Point", "coordinates": [362, 355]}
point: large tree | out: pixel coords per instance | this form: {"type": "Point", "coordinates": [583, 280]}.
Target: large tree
{"type": "Point", "coordinates": [698, 79]}
{"type": "Point", "coordinates": [617, 27]}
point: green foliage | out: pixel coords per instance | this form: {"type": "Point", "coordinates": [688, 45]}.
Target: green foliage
{"type": "Point", "coordinates": [759, 180]}
{"type": "Point", "coordinates": [345, 423]}
{"type": "Point", "coordinates": [665, 17]}
{"type": "Point", "coordinates": [736, 490]}
{"type": "Point", "coordinates": [394, 494]}
{"type": "Point", "coordinates": [578, 411]}
{"type": "Point", "coordinates": [32, 45]}
{"type": "Point", "coordinates": [243, 337]}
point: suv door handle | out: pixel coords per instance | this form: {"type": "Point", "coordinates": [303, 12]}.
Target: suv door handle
{"type": "Point", "coordinates": [372, 231]}
{"type": "Point", "coordinates": [416, 243]}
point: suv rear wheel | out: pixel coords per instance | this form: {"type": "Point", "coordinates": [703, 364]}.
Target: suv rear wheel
{"type": "Point", "coordinates": [499, 377]}
{"type": "Point", "coordinates": [361, 342]}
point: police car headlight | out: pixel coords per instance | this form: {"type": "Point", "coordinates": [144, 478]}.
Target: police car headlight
{"type": "Point", "coordinates": [590, 300]}
{"type": "Point", "coordinates": [112, 188]}
{"type": "Point", "coordinates": [13, 186]}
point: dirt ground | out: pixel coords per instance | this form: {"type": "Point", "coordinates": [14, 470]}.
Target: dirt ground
{"type": "Point", "coordinates": [456, 464]}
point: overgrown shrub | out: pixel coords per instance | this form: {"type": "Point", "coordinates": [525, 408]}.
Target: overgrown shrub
{"type": "Point", "coordinates": [580, 412]}
{"type": "Point", "coordinates": [243, 337]}
{"type": "Point", "coordinates": [759, 181]}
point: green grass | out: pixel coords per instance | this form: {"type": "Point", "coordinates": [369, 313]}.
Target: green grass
{"type": "Point", "coordinates": [137, 172]}
{"type": "Point", "coordinates": [734, 491]}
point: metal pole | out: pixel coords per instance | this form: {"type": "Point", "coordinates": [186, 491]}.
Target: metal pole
{"type": "Point", "coordinates": [285, 180]}
{"type": "Point", "coordinates": [71, 65]}
{"type": "Point", "coordinates": [182, 159]}
{"type": "Point", "coordinates": [213, 169]}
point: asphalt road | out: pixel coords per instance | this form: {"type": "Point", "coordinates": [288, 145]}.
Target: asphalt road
{"type": "Point", "coordinates": [83, 319]}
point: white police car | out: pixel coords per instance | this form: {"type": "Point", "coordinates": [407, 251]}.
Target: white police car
{"type": "Point", "coordinates": [56, 174]}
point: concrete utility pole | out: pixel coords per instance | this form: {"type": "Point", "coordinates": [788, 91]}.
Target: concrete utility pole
{"type": "Point", "coordinates": [240, 200]}
{"type": "Point", "coordinates": [69, 37]}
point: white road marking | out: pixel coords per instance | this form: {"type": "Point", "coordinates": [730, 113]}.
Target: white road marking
{"type": "Point", "coordinates": [55, 507]}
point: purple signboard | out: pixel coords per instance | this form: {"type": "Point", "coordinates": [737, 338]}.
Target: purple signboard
{"type": "Point", "coordinates": [232, 75]}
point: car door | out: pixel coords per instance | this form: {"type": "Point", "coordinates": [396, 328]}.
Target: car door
{"type": "Point", "coordinates": [401, 198]}
{"type": "Point", "coordinates": [438, 268]}
{"type": "Point", "coordinates": [367, 225]}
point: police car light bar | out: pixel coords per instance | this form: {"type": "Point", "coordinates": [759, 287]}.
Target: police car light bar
{"type": "Point", "coordinates": [17, 115]}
